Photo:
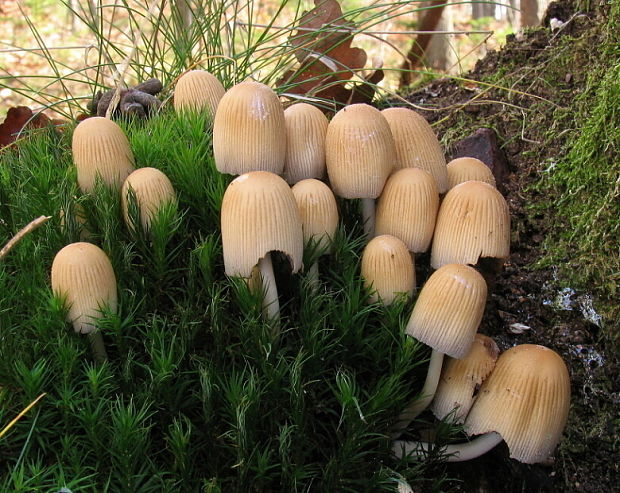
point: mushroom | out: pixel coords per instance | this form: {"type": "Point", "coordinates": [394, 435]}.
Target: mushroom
{"type": "Point", "coordinates": [319, 217]}
{"type": "Point", "coordinates": [152, 190]}
{"type": "Point", "coordinates": [249, 133]}
{"type": "Point", "coordinates": [473, 222]}
{"type": "Point", "coordinates": [461, 378]}
{"type": "Point", "coordinates": [388, 269]}
{"type": "Point", "coordinates": [259, 214]}
{"type": "Point", "coordinates": [416, 144]}
{"type": "Point", "coordinates": [198, 90]}
{"type": "Point", "coordinates": [525, 401]}
{"type": "Point", "coordinates": [446, 317]}
{"type": "Point", "coordinates": [83, 276]}
{"type": "Point", "coordinates": [100, 148]}
{"type": "Point", "coordinates": [464, 169]}
{"type": "Point", "coordinates": [359, 153]}
{"type": "Point", "coordinates": [306, 127]}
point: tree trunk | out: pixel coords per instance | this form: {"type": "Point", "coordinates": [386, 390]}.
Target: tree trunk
{"type": "Point", "coordinates": [441, 52]}
{"type": "Point", "coordinates": [529, 13]}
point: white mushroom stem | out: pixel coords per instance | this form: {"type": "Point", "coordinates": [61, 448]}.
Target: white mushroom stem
{"type": "Point", "coordinates": [427, 394]}
{"type": "Point", "coordinates": [271, 305]}
{"type": "Point", "coordinates": [313, 276]}
{"type": "Point", "coordinates": [368, 214]}
{"type": "Point", "coordinates": [96, 343]}
{"type": "Point", "coordinates": [455, 453]}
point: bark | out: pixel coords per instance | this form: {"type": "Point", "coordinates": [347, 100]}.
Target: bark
{"type": "Point", "coordinates": [529, 13]}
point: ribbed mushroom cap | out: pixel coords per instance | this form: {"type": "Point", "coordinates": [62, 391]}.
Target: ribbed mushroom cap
{"type": "Point", "coordinates": [259, 214]}
{"type": "Point", "coordinates": [198, 90]}
{"type": "Point", "coordinates": [359, 152]}
{"type": "Point", "coordinates": [152, 189]}
{"type": "Point", "coordinates": [387, 269]}
{"type": "Point", "coordinates": [417, 145]}
{"type": "Point", "coordinates": [249, 133]}
{"type": "Point", "coordinates": [461, 377]}
{"type": "Point", "coordinates": [82, 274]}
{"type": "Point", "coordinates": [318, 211]}
{"type": "Point", "coordinates": [464, 169]}
{"type": "Point", "coordinates": [306, 127]}
{"type": "Point", "coordinates": [526, 400]}
{"type": "Point", "coordinates": [449, 309]}
{"type": "Point", "coordinates": [473, 222]}
{"type": "Point", "coordinates": [407, 208]}
{"type": "Point", "coordinates": [101, 148]}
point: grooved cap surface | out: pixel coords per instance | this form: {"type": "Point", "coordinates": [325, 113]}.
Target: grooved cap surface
{"type": "Point", "coordinates": [249, 133]}
{"type": "Point", "coordinates": [359, 152]}
{"type": "Point", "coordinates": [259, 214]}
{"type": "Point", "coordinates": [318, 211]}
{"type": "Point", "coordinates": [306, 127]}
{"type": "Point", "coordinates": [387, 269]}
{"type": "Point", "coordinates": [449, 309]}
{"type": "Point", "coordinates": [473, 222]}
{"type": "Point", "coordinates": [198, 90]}
{"type": "Point", "coordinates": [464, 169]}
{"type": "Point", "coordinates": [460, 378]}
{"type": "Point", "coordinates": [83, 275]}
{"type": "Point", "coordinates": [100, 147]}
{"type": "Point", "coordinates": [407, 208]}
{"type": "Point", "coordinates": [152, 189]}
{"type": "Point", "coordinates": [417, 145]}
{"type": "Point", "coordinates": [526, 400]}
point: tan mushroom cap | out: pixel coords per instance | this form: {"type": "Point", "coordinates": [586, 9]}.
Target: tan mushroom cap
{"type": "Point", "coordinates": [464, 169]}
{"type": "Point", "coordinates": [306, 127]}
{"type": "Point", "coordinates": [407, 208]}
{"type": "Point", "coordinates": [259, 214]}
{"type": "Point", "coordinates": [101, 148]}
{"type": "Point", "coordinates": [83, 275]}
{"type": "Point", "coordinates": [449, 309]}
{"type": "Point", "coordinates": [198, 90]}
{"type": "Point", "coordinates": [387, 269]}
{"type": "Point", "coordinates": [249, 133]}
{"type": "Point", "coordinates": [526, 400]}
{"type": "Point", "coordinates": [461, 377]}
{"type": "Point", "coordinates": [152, 189]}
{"type": "Point", "coordinates": [417, 145]}
{"type": "Point", "coordinates": [318, 211]}
{"type": "Point", "coordinates": [359, 152]}
{"type": "Point", "coordinates": [473, 222]}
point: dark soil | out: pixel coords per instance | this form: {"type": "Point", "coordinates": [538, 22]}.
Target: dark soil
{"type": "Point", "coordinates": [552, 66]}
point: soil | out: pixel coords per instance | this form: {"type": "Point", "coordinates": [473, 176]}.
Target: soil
{"type": "Point", "coordinates": [587, 459]}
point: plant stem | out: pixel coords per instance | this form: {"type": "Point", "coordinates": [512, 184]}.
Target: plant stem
{"type": "Point", "coordinates": [313, 276]}
{"type": "Point", "coordinates": [455, 453]}
{"type": "Point", "coordinates": [96, 343]}
{"type": "Point", "coordinates": [271, 305]}
{"type": "Point", "coordinates": [428, 392]}
{"type": "Point", "coordinates": [368, 214]}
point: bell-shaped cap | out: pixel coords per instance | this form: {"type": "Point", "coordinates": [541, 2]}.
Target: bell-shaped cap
{"type": "Point", "coordinates": [359, 152]}
{"type": "Point", "coordinates": [152, 190]}
{"type": "Point", "coordinates": [526, 400]}
{"type": "Point", "coordinates": [407, 208]}
{"type": "Point", "coordinates": [306, 127]}
{"type": "Point", "coordinates": [101, 148]}
{"type": "Point", "coordinates": [417, 145]}
{"type": "Point", "coordinates": [387, 269]}
{"type": "Point", "coordinates": [259, 214]}
{"type": "Point", "coordinates": [464, 169]}
{"type": "Point", "coordinates": [249, 133]}
{"type": "Point", "coordinates": [473, 222]}
{"type": "Point", "coordinates": [460, 378]}
{"type": "Point", "coordinates": [318, 211]}
{"type": "Point", "coordinates": [449, 309]}
{"type": "Point", "coordinates": [198, 90]}
{"type": "Point", "coordinates": [83, 276]}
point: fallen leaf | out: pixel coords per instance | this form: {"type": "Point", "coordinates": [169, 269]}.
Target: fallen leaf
{"type": "Point", "coordinates": [16, 119]}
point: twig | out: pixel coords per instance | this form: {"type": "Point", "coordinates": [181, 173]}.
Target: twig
{"type": "Point", "coordinates": [20, 415]}
{"type": "Point", "coordinates": [31, 226]}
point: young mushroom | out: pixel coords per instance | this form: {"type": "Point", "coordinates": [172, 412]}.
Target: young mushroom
{"type": "Point", "coordinates": [360, 154]}
{"type": "Point", "coordinates": [525, 401]}
{"type": "Point", "coordinates": [464, 169]}
{"type": "Point", "coordinates": [259, 215]}
{"type": "Point", "coordinates": [198, 90]}
{"type": "Point", "coordinates": [83, 276]}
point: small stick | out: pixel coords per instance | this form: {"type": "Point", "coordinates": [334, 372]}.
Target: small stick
{"type": "Point", "coordinates": [31, 226]}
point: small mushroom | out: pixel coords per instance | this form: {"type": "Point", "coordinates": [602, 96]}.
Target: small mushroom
{"type": "Point", "coordinates": [464, 169]}
{"type": "Point", "coordinates": [100, 148]}
{"type": "Point", "coordinates": [83, 276]}
{"type": "Point", "coordinates": [387, 269]}
{"type": "Point", "coordinates": [198, 90]}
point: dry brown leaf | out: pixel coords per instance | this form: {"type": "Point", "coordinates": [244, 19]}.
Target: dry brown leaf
{"type": "Point", "coordinates": [16, 119]}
